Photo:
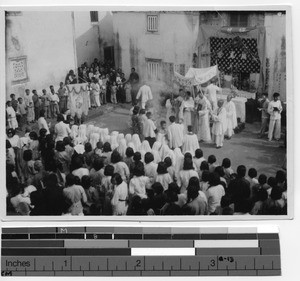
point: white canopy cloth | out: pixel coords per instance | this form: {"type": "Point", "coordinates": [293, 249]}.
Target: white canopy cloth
{"type": "Point", "coordinates": [197, 76]}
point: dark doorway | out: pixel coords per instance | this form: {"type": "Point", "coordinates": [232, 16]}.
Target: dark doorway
{"type": "Point", "coordinates": [109, 54]}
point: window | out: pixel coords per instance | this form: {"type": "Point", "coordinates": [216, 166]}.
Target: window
{"type": "Point", "coordinates": [152, 23]}
{"type": "Point", "coordinates": [239, 19]}
{"type": "Point", "coordinates": [19, 70]}
{"type": "Point", "coordinates": [153, 69]}
{"type": "Point", "coordinates": [94, 16]}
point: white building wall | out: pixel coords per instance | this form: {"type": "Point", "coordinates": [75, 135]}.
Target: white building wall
{"type": "Point", "coordinates": [276, 53]}
{"type": "Point", "coordinates": [91, 38]}
{"type": "Point", "coordinates": [46, 39]}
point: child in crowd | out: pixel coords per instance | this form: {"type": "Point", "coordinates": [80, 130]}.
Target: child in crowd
{"type": "Point", "coordinates": [114, 93]}
{"type": "Point", "coordinates": [30, 113]}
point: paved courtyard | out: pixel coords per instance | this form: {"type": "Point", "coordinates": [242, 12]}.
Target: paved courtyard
{"type": "Point", "coordinates": [243, 148]}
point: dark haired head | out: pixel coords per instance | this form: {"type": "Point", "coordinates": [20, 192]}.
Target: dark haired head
{"type": "Point", "coordinates": [198, 153]}
{"type": "Point", "coordinates": [162, 122]}
{"type": "Point", "coordinates": [226, 163]}
{"type": "Point", "coordinates": [241, 171]}
{"type": "Point", "coordinates": [27, 155]}
{"type": "Point", "coordinates": [109, 170]}
{"type": "Point", "coordinates": [115, 157]}
{"type": "Point", "coordinates": [204, 166]}
{"type": "Point", "coordinates": [148, 157]}
{"type": "Point", "coordinates": [161, 168]}
{"type": "Point", "coordinates": [88, 147]}
{"type": "Point", "coordinates": [192, 192]}
{"type": "Point", "coordinates": [194, 181]}
{"type": "Point", "coordinates": [98, 164]}
{"type": "Point", "coordinates": [276, 193]}
{"type": "Point", "coordinates": [225, 201]}
{"type": "Point", "coordinates": [190, 128]}
{"type": "Point", "coordinates": [280, 176]}
{"type": "Point", "coordinates": [171, 196]}
{"type": "Point", "coordinates": [138, 170]}
{"type": "Point", "coordinates": [42, 132]}
{"type": "Point", "coordinates": [137, 156]}
{"type": "Point", "coordinates": [188, 164]}
{"type": "Point", "coordinates": [188, 155]}
{"type": "Point", "coordinates": [117, 178]}
{"type": "Point", "coordinates": [70, 179]}
{"type": "Point", "coordinates": [106, 147]}
{"type": "Point", "coordinates": [173, 186]}
{"type": "Point", "coordinates": [60, 118]}
{"type": "Point", "coordinates": [142, 111]}
{"type": "Point", "coordinates": [214, 179]}
{"type": "Point", "coordinates": [67, 141]}
{"type": "Point", "coordinates": [157, 188]}
{"type": "Point", "coordinates": [262, 195]}
{"type": "Point", "coordinates": [172, 119]}
{"type": "Point", "coordinates": [33, 135]}
{"type": "Point", "coordinates": [220, 171]}
{"type": "Point", "coordinates": [262, 179]}
{"type": "Point", "coordinates": [168, 162]}
{"type": "Point", "coordinates": [252, 173]}
{"type": "Point", "coordinates": [77, 162]}
{"type": "Point", "coordinates": [129, 152]}
{"type": "Point", "coordinates": [60, 146]}
{"type": "Point", "coordinates": [276, 95]}
{"type": "Point", "coordinates": [211, 159]}
{"type": "Point", "coordinates": [86, 182]}
{"type": "Point", "coordinates": [205, 176]}
{"type": "Point", "coordinates": [272, 182]}
{"type": "Point", "coordinates": [8, 144]}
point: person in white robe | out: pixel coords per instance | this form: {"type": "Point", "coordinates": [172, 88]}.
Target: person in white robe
{"type": "Point", "coordinates": [211, 93]}
{"type": "Point", "coordinates": [122, 148]}
{"type": "Point", "coordinates": [190, 141]}
{"type": "Point", "coordinates": [137, 142]}
{"type": "Point", "coordinates": [170, 109]}
{"type": "Point", "coordinates": [11, 116]}
{"type": "Point", "coordinates": [119, 199]}
{"type": "Point", "coordinates": [187, 107]}
{"type": "Point", "coordinates": [178, 163]}
{"type": "Point", "coordinates": [203, 132]}
{"type": "Point", "coordinates": [144, 94]}
{"type": "Point", "coordinates": [275, 109]}
{"type": "Point", "coordinates": [128, 138]}
{"type": "Point", "coordinates": [94, 138]}
{"type": "Point", "coordinates": [175, 134]}
{"type": "Point", "coordinates": [155, 151]}
{"type": "Point", "coordinates": [231, 117]}
{"type": "Point", "coordinates": [219, 128]}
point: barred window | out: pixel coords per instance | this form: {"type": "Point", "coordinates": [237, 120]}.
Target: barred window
{"type": "Point", "coordinates": [152, 23]}
{"type": "Point", "coordinates": [94, 16]}
{"type": "Point", "coordinates": [239, 19]}
{"type": "Point", "coordinates": [153, 69]}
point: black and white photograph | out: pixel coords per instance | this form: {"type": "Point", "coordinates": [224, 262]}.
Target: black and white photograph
{"type": "Point", "coordinates": [173, 113]}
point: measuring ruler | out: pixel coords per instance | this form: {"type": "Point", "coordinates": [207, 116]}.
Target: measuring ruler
{"type": "Point", "coordinates": [140, 251]}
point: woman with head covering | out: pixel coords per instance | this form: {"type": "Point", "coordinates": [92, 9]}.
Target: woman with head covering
{"type": "Point", "coordinates": [131, 144]}
{"type": "Point", "coordinates": [145, 147]}
{"type": "Point", "coordinates": [128, 138]}
{"type": "Point", "coordinates": [179, 157]}
{"type": "Point", "coordinates": [89, 130]}
{"type": "Point", "coordinates": [113, 142]}
{"type": "Point", "coordinates": [122, 148]}
{"type": "Point", "coordinates": [137, 142]}
{"type": "Point", "coordinates": [74, 132]}
{"type": "Point", "coordinates": [185, 174]}
{"type": "Point", "coordinates": [120, 137]}
{"type": "Point", "coordinates": [164, 151]}
{"type": "Point", "coordinates": [94, 138]}
{"type": "Point", "coordinates": [82, 134]}
{"type": "Point", "coordinates": [155, 151]}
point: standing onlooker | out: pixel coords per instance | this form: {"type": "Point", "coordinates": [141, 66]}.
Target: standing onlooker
{"type": "Point", "coordinates": [45, 98]}
{"type": "Point", "coordinates": [134, 83]}
{"type": "Point", "coordinates": [264, 114]}
{"type": "Point", "coordinates": [63, 97]}
{"type": "Point", "coordinates": [54, 100]}
{"type": "Point", "coordinates": [22, 111]}
{"type": "Point", "coordinates": [149, 130]}
{"type": "Point", "coordinates": [37, 104]}
{"type": "Point", "coordinates": [11, 116]}
{"type": "Point", "coordinates": [275, 109]}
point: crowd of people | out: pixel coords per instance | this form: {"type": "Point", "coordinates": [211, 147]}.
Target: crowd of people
{"type": "Point", "coordinates": [85, 170]}
{"type": "Point", "coordinates": [71, 168]}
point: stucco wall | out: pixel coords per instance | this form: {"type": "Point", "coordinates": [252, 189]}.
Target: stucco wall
{"type": "Point", "coordinates": [46, 39]}
{"type": "Point", "coordinates": [91, 38]}
{"type": "Point", "coordinates": [276, 53]}
{"type": "Point", "coordinates": [173, 43]}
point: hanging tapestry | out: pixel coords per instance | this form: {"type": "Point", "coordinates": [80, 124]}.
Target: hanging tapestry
{"type": "Point", "coordinates": [233, 55]}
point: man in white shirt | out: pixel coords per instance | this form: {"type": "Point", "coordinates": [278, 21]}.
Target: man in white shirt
{"type": "Point", "coordinates": [144, 94]}
{"type": "Point", "coordinates": [231, 117]}
{"type": "Point", "coordinates": [149, 130]}
{"type": "Point", "coordinates": [54, 100]}
{"type": "Point", "coordinates": [28, 98]}
{"type": "Point", "coordinates": [42, 123]}
{"type": "Point", "coordinates": [61, 129]}
{"type": "Point", "coordinates": [190, 142]}
{"type": "Point", "coordinates": [211, 94]}
{"type": "Point", "coordinates": [275, 109]}
{"type": "Point", "coordinates": [175, 134]}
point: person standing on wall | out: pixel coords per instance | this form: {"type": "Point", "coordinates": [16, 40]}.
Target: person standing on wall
{"type": "Point", "coordinates": [134, 83]}
{"type": "Point", "coordinates": [37, 104]}
{"type": "Point", "coordinates": [275, 109]}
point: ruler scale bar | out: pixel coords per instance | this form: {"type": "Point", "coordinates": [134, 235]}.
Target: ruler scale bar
{"type": "Point", "coordinates": [140, 251]}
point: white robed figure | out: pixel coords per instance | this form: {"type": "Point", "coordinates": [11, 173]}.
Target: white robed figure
{"type": "Point", "coordinates": [231, 117]}
{"type": "Point", "coordinates": [190, 142]}
{"type": "Point", "coordinates": [211, 93]}
{"type": "Point", "coordinates": [170, 110]}
{"type": "Point", "coordinates": [144, 94]}
{"type": "Point", "coordinates": [203, 132]}
{"type": "Point", "coordinates": [187, 107]}
{"type": "Point", "coordinates": [11, 116]}
{"type": "Point", "coordinates": [219, 128]}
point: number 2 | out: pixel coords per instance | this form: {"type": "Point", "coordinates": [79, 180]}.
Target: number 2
{"type": "Point", "coordinates": [138, 263]}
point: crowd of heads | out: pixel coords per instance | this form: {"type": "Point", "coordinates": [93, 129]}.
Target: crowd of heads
{"type": "Point", "coordinates": [112, 174]}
